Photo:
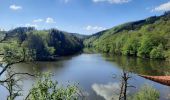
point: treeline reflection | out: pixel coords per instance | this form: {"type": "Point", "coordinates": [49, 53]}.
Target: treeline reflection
{"type": "Point", "coordinates": [139, 65]}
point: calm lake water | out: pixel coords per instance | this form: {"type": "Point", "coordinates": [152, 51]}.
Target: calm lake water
{"type": "Point", "coordinates": [94, 73]}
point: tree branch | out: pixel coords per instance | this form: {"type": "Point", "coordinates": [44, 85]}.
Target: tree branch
{"type": "Point", "coordinates": [5, 68]}
{"type": "Point", "coordinates": [8, 79]}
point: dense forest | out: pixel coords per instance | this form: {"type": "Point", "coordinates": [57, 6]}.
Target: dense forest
{"type": "Point", "coordinates": [41, 44]}
{"type": "Point", "coordinates": [148, 38]}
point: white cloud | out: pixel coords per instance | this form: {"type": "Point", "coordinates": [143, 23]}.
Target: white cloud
{"type": "Point", "coordinates": [38, 20]}
{"type": "Point", "coordinates": [94, 28]}
{"type": "Point", "coordinates": [112, 1]}
{"type": "Point", "coordinates": [50, 20]}
{"type": "Point", "coordinates": [31, 25]}
{"type": "Point", "coordinates": [162, 7]}
{"type": "Point", "coordinates": [15, 7]}
{"type": "Point", "coordinates": [107, 91]}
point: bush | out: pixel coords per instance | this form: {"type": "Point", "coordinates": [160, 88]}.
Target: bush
{"type": "Point", "coordinates": [46, 89]}
{"type": "Point", "coordinates": [146, 93]}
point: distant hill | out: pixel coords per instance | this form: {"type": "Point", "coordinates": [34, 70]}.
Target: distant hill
{"type": "Point", "coordinates": [45, 43]}
{"type": "Point", "coordinates": [148, 38]}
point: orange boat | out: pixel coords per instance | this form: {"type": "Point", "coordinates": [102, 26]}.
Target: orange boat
{"type": "Point", "coordinates": [165, 80]}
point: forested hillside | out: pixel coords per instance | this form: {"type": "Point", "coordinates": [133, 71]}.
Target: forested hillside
{"type": "Point", "coordinates": [148, 38]}
{"type": "Point", "coordinates": [42, 44]}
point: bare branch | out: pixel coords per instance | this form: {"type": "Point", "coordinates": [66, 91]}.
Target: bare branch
{"type": "Point", "coordinates": [131, 86]}
{"type": "Point", "coordinates": [27, 96]}
{"type": "Point", "coordinates": [11, 76]}
{"type": "Point", "coordinates": [5, 68]}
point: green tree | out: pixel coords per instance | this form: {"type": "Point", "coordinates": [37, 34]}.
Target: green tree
{"type": "Point", "coordinates": [157, 53]}
{"type": "Point", "coordinates": [14, 52]}
{"type": "Point", "coordinates": [131, 47]}
{"type": "Point", "coordinates": [37, 45]}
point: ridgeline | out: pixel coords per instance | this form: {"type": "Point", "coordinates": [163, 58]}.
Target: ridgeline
{"type": "Point", "coordinates": [148, 38]}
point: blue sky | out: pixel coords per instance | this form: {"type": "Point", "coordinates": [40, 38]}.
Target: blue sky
{"type": "Point", "coordinates": [80, 16]}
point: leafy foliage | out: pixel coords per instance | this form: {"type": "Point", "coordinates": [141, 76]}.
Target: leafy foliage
{"type": "Point", "coordinates": [43, 44]}
{"type": "Point", "coordinates": [147, 38]}
{"type": "Point", "coordinates": [45, 89]}
{"type": "Point", "coordinates": [157, 52]}
{"type": "Point", "coordinates": [146, 93]}
{"type": "Point", "coordinates": [13, 52]}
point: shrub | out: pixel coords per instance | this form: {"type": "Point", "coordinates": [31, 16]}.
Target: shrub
{"type": "Point", "coordinates": [46, 89]}
{"type": "Point", "coordinates": [146, 93]}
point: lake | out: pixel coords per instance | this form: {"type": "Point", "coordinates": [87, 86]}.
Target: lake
{"type": "Point", "coordinates": [95, 74]}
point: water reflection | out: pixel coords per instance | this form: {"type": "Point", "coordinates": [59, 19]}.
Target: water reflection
{"type": "Point", "coordinates": [94, 73]}
{"type": "Point", "coordinates": [140, 66]}
{"type": "Point", "coordinates": [168, 96]}
{"type": "Point", "coordinates": [108, 91]}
